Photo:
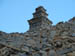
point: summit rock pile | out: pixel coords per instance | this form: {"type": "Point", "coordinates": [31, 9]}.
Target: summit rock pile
{"type": "Point", "coordinates": [42, 38]}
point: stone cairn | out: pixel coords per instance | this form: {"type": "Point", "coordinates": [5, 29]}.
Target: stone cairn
{"type": "Point", "coordinates": [42, 38]}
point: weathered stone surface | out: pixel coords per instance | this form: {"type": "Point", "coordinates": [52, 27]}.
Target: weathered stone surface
{"type": "Point", "coordinates": [52, 53]}
{"type": "Point", "coordinates": [42, 38]}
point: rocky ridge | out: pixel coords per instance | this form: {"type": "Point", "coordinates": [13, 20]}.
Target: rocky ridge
{"type": "Point", "coordinates": [42, 39]}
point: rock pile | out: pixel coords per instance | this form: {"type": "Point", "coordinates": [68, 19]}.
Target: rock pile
{"type": "Point", "coordinates": [42, 39]}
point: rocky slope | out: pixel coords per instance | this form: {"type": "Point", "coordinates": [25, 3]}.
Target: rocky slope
{"type": "Point", "coordinates": [42, 39]}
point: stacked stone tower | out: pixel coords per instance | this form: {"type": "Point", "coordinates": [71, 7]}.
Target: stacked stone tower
{"type": "Point", "coordinates": [39, 20]}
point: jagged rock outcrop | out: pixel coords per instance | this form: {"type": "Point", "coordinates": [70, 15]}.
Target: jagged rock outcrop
{"type": "Point", "coordinates": [42, 38]}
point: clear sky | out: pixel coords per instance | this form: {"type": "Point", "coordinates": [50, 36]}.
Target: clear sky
{"type": "Point", "coordinates": [15, 13]}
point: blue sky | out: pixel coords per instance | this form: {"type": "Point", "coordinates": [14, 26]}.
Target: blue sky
{"type": "Point", "coordinates": [15, 13]}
